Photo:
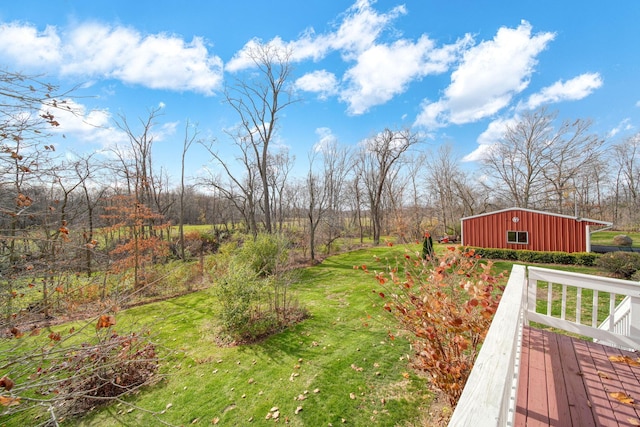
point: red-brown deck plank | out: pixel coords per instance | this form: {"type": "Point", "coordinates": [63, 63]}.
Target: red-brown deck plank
{"type": "Point", "coordinates": [537, 407]}
{"type": "Point", "coordinates": [559, 407]}
{"type": "Point", "coordinates": [566, 382]}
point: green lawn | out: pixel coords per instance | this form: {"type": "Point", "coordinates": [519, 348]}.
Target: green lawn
{"type": "Point", "coordinates": [338, 365]}
{"type": "Point", "coordinates": [606, 237]}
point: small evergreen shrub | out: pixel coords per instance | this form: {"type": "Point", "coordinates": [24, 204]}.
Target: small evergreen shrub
{"type": "Point", "coordinates": [587, 259]}
{"type": "Point", "coordinates": [563, 258]}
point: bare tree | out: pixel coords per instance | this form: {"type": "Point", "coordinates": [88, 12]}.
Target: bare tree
{"type": "Point", "coordinates": [375, 162]}
{"type": "Point", "coordinates": [516, 161]}
{"type": "Point", "coordinates": [189, 137]}
{"type": "Point", "coordinates": [280, 166]}
{"type": "Point", "coordinates": [324, 190]}
{"type": "Point", "coordinates": [442, 173]}
{"type": "Point", "coordinates": [627, 190]}
{"type": "Point", "coordinates": [243, 191]}
{"type": "Point", "coordinates": [534, 162]}
{"type": "Point", "coordinates": [259, 103]}
{"type": "Point", "coordinates": [416, 166]}
{"type": "Point", "coordinates": [137, 159]}
{"type": "Point", "coordinates": [85, 172]}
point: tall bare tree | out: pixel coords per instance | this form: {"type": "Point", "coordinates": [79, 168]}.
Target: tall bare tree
{"type": "Point", "coordinates": [189, 136]}
{"type": "Point", "coordinates": [259, 101]}
{"type": "Point", "coordinates": [324, 188]}
{"type": "Point", "coordinates": [627, 190]}
{"type": "Point", "coordinates": [375, 162]}
{"type": "Point", "coordinates": [534, 162]}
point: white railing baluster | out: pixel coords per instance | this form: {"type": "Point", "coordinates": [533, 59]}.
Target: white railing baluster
{"type": "Point", "coordinates": [612, 311]}
{"type": "Point", "coordinates": [549, 297]}
{"type": "Point", "coordinates": [594, 310]}
{"type": "Point", "coordinates": [563, 310]}
{"type": "Point", "coordinates": [579, 305]}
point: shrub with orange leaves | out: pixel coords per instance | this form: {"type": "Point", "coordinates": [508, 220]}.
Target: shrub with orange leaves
{"type": "Point", "coordinates": [446, 306]}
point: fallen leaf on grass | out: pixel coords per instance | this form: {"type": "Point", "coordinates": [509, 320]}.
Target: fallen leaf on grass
{"type": "Point", "coordinates": [105, 321]}
{"type": "Point", "coordinates": [215, 421]}
{"type": "Point", "coordinates": [622, 397]}
{"type": "Point", "coordinates": [624, 359]}
{"type": "Point", "coordinates": [9, 401]}
{"type": "Point", "coordinates": [7, 383]}
{"type": "Point", "coordinates": [352, 396]}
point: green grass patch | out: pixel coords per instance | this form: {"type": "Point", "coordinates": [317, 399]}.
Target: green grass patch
{"type": "Point", "coordinates": [606, 237]}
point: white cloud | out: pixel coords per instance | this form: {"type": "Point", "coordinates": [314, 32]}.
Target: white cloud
{"type": "Point", "coordinates": [381, 71]}
{"type": "Point", "coordinates": [360, 27]}
{"type": "Point", "coordinates": [94, 50]}
{"type": "Point", "coordinates": [326, 140]}
{"type": "Point", "coordinates": [25, 47]}
{"type": "Point", "coordinates": [573, 89]}
{"type": "Point", "coordinates": [97, 128]}
{"type": "Point", "coordinates": [90, 127]}
{"type": "Point", "coordinates": [487, 139]}
{"type": "Point", "coordinates": [624, 125]}
{"type": "Point", "coordinates": [490, 74]}
{"type": "Point", "coordinates": [322, 82]}
{"type": "Point", "coordinates": [385, 70]}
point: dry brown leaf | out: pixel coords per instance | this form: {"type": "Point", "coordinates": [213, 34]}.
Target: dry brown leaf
{"type": "Point", "coordinates": [633, 421]}
{"type": "Point", "coordinates": [603, 375]}
{"type": "Point", "coordinates": [9, 401]}
{"type": "Point", "coordinates": [7, 383]}
{"type": "Point", "coordinates": [105, 321]}
{"type": "Point", "coordinates": [622, 397]}
{"type": "Point", "coordinates": [624, 359]}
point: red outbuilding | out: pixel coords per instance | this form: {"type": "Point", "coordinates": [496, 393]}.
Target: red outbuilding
{"type": "Point", "coordinates": [518, 228]}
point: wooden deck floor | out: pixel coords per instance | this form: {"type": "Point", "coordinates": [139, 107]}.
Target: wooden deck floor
{"type": "Point", "coordinates": [567, 382]}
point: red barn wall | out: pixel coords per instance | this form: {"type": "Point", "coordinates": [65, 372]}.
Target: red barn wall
{"type": "Point", "coordinates": [546, 232]}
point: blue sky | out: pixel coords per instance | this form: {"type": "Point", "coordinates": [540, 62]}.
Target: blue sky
{"type": "Point", "coordinates": [455, 71]}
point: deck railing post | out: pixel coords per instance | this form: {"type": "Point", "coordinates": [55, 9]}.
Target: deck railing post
{"type": "Point", "coordinates": [634, 319]}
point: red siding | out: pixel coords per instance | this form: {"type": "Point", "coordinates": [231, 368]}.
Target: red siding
{"type": "Point", "coordinates": [545, 232]}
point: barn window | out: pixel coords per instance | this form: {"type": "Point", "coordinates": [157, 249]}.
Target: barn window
{"type": "Point", "coordinates": [521, 237]}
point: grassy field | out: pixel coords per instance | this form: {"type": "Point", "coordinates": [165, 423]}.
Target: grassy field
{"type": "Point", "coordinates": [606, 237]}
{"type": "Point", "coordinates": [337, 366]}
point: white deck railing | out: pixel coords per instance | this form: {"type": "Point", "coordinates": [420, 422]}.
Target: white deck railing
{"type": "Point", "coordinates": [569, 301]}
